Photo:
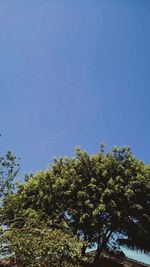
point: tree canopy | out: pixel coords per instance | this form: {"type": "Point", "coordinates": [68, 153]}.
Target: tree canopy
{"type": "Point", "coordinates": [94, 197]}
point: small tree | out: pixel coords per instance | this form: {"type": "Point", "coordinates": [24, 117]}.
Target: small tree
{"type": "Point", "coordinates": [38, 245]}
{"type": "Point", "coordinates": [8, 170]}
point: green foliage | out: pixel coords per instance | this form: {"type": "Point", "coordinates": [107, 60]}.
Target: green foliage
{"type": "Point", "coordinates": [37, 245]}
{"type": "Point", "coordinates": [92, 197]}
{"type": "Point", "coordinates": [8, 170]}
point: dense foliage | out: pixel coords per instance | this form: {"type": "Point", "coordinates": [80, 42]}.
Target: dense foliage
{"type": "Point", "coordinates": [38, 245]}
{"type": "Point", "coordinates": [95, 198]}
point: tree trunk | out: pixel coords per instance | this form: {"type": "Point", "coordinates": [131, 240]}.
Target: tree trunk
{"type": "Point", "coordinates": [101, 246]}
{"type": "Point", "coordinates": [98, 251]}
{"type": "Point", "coordinates": [83, 250]}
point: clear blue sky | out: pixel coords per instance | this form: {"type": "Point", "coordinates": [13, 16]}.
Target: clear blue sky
{"type": "Point", "coordinates": [73, 73]}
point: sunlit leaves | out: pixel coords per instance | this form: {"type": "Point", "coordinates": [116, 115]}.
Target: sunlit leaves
{"type": "Point", "coordinates": [38, 245]}
{"type": "Point", "coordinates": [91, 196]}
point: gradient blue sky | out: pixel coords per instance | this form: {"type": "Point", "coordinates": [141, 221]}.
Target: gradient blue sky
{"type": "Point", "coordinates": [73, 73]}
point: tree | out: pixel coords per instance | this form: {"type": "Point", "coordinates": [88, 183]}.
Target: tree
{"type": "Point", "coordinates": [138, 231]}
{"type": "Point", "coordinates": [38, 245]}
{"type": "Point", "coordinates": [9, 168]}
{"type": "Point", "coordinates": [95, 197]}
{"type": "Point", "coordinates": [105, 195]}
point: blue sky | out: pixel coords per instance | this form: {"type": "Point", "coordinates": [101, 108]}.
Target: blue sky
{"type": "Point", "coordinates": [73, 73]}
